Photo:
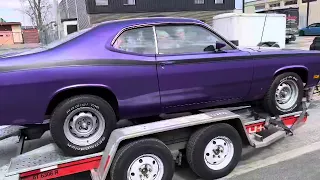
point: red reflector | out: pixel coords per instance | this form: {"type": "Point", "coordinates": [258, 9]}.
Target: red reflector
{"type": "Point", "coordinates": [254, 128]}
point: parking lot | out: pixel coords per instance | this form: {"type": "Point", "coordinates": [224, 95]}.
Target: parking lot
{"type": "Point", "coordinates": [282, 160]}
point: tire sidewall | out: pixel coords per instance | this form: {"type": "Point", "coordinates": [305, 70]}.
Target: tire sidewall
{"type": "Point", "coordinates": [203, 140]}
{"type": "Point", "coordinates": [119, 171]}
{"type": "Point", "coordinates": [281, 78]}
{"type": "Point", "coordinates": [59, 116]}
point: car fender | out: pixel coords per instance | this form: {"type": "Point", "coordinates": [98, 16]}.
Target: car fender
{"type": "Point", "coordinates": [79, 86]}
{"type": "Point", "coordinates": [290, 67]}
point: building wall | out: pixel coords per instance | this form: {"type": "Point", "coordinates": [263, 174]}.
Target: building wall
{"type": "Point", "coordinates": [67, 9]}
{"type": "Point", "coordinates": [82, 15]}
{"type": "Point", "coordinates": [6, 37]}
{"type": "Point", "coordinates": [88, 12]}
{"type": "Point", "coordinates": [31, 36]}
{"type": "Point", "coordinates": [17, 34]}
{"type": "Point", "coordinates": [205, 16]}
{"type": "Point", "coordinates": [314, 15]}
{"type": "Point", "coordinates": [117, 6]}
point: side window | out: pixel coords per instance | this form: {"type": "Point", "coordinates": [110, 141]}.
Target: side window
{"type": "Point", "coordinates": [140, 40]}
{"type": "Point", "coordinates": [182, 39]}
{"type": "Point", "coordinates": [313, 25]}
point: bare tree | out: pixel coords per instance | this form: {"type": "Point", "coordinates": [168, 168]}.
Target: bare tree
{"type": "Point", "coordinates": [38, 11]}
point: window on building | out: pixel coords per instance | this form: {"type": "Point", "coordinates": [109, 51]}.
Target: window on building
{"type": "Point", "coordinates": [260, 7]}
{"type": "Point", "coordinates": [199, 1]}
{"type": "Point", "coordinates": [291, 2]}
{"type": "Point", "coordinates": [140, 40]}
{"type": "Point", "coordinates": [186, 39]}
{"type": "Point", "coordinates": [129, 2]}
{"type": "Point", "coordinates": [102, 2]}
{"type": "Point", "coordinates": [218, 1]}
{"type": "Point", "coordinates": [274, 5]}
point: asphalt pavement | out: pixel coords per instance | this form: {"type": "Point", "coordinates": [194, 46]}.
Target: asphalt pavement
{"type": "Point", "coordinates": [304, 167]}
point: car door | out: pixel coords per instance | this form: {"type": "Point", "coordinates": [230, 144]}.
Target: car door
{"type": "Point", "coordinates": [312, 29]}
{"type": "Point", "coordinates": [190, 77]}
{"type": "Point", "coordinates": [137, 87]}
{"type": "Point", "coordinates": [316, 30]}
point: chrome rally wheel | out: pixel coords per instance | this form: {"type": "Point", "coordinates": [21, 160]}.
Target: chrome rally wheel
{"type": "Point", "coordinates": [84, 126]}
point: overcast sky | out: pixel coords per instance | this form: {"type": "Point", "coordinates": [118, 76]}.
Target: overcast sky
{"type": "Point", "coordinates": [10, 10]}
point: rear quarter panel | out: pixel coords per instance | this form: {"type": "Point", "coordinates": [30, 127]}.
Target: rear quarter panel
{"type": "Point", "coordinates": [26, 89]}
{"type": "Point", "coordinates": [265, 68]}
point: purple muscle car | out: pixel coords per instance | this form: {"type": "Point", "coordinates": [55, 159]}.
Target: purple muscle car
{"type": "Point", "coordinates": [139, 68]}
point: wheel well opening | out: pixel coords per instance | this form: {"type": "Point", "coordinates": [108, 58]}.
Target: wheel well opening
{"type": "Point", "coordinates": [237, 124]}
{"type": "Point", "coordinates": [300, 71]}
{"type": "Point", "coordinates": [104, 93]}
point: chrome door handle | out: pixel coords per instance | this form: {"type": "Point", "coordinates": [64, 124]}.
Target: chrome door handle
{"type": "Point", "coordinates": [166, 62]}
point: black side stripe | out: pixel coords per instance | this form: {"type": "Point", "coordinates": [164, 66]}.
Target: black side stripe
{"type": "Point", "coordinates": [239, 58]}
{"type": "Point", "coordinates": [74, 63]}
{"type": "Point", "coordinates": [118, 62]}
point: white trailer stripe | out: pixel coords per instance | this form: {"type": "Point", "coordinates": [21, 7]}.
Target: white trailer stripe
{"type": "Point", "coordinates": [48, 168]}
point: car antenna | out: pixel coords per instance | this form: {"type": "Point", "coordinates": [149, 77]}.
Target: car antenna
{"type": "Point", "coordinates": [264, 25]}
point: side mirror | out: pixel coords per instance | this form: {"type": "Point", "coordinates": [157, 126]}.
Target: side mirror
{"type": "Point", "coordinates": [210, 48]}
{"type": "Point", "coordinates": [220, 45]}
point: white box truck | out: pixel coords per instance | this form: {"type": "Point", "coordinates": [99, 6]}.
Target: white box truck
{"type": "Point", "coordinates": [252, 30]}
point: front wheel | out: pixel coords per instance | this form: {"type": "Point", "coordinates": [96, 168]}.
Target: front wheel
{"type": "Point", "coordinates": [285, 94]}
{"type": "Point", "coordinates": [214, 151]}
{"type": "Point", "coordinates": [82, 124]}
{"type": "Point", "coordinates": [301, 33]}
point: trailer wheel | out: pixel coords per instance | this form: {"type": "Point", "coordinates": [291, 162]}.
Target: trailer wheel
{"type": "Point", "coordinates": [143, 159]}
{"type": "Point", "coordinates": [214, 151]}
{"type": "Point", "coordinates": [82, 124]}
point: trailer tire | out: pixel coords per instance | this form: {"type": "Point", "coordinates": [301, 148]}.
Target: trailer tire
{"type": "Point", "coordinates": [214, 151]}
{"type": "Point", "coordinates": [134, 157]}
{"type": "Point", "coordinates": [82, 124]}
{"type": "Point", "coordinates": [290, 83]}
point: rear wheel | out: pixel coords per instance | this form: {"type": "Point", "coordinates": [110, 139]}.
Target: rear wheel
{"type": "Point", "coordinates": [285, 94]}
{"type": "Point", "coordinates": [82, 124]}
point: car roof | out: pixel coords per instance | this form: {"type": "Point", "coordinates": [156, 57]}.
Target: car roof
{"type": "Point", "coordinates": [124, 23]}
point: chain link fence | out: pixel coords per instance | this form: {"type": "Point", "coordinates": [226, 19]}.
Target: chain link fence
{"type": "Point", "coordinates": [48, 35]}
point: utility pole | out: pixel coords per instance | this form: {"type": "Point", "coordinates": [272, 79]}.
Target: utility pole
{"type": "Point", "coordinates": [243, 6]}
{"type": "Point", "coordinates": [308, 9]}
{"type": "Point", "coordinates": [58, 19]}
